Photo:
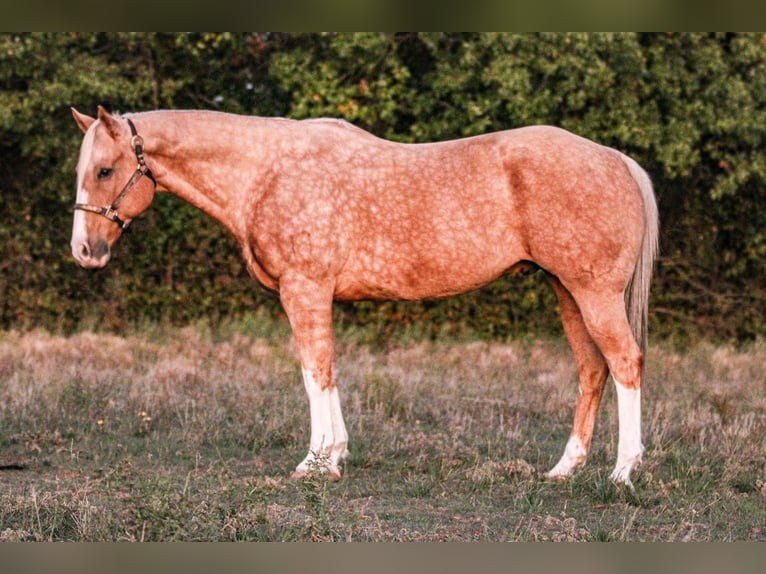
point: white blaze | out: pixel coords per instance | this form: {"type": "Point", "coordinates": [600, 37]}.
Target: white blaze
{"type": "Point", "coordinates": [79, 233]}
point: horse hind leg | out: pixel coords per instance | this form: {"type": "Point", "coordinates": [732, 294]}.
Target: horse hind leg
{"type": "Point", "coordinates": [605, 318]}
{"type": "Point", "coordinates": [592, 373]}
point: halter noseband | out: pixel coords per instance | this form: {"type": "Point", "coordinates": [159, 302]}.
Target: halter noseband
{"type": "Point", "coordinates": [137, 143]}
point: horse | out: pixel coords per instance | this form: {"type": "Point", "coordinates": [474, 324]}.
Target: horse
{"type": "Point", "coordinates": [324, 211]}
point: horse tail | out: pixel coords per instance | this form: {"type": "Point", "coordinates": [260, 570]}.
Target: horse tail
{"type": "Point", "coordinates": [637, 291]}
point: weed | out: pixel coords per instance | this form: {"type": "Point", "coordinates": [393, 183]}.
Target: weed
{"type": "Point", "coordinates": [314, 488]}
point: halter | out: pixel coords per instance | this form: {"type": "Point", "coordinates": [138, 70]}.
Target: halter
{"type": "Point", "coordinates": [137, 143]}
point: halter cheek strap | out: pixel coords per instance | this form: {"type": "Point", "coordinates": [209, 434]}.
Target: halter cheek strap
{"type": "Point", "coordinates": [137, 143]}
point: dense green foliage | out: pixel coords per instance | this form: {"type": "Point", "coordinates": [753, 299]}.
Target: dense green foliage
{"type": "Point", "coordinates": [689, 107]}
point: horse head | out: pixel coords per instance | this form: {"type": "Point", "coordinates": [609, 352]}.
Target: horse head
{"type": "Point", "coordinates": [111, 189]}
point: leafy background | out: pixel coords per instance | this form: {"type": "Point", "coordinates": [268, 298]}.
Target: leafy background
{"type": "Point", "coordinates": [689, 107]}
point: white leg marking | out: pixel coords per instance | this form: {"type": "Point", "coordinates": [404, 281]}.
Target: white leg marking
{"type": "Point", "coordinates": [629, 447]}
{"type": "Point", "coordinates": [325, 448]}
{"type": "Point", "coordinates": [340, 448]}
{"type": "Point", "coordinates": [573, 457]}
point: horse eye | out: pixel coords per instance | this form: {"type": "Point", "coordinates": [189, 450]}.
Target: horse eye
{"type": "Point", "coordinates": [104, 172]}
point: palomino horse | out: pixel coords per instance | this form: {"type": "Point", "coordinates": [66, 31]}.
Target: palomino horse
{"type": "Point", "coordinates": [325, 211]}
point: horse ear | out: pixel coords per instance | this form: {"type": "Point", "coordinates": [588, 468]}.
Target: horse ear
{"type": "Point", "coordinates": [112, 126]}
{"type": "Point", "coordinates": [82, 120]}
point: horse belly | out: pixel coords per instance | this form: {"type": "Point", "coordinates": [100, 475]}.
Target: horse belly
{"type": "Point", "coordinates": [442, 241]}
{"type": "Point", "coordinates": [433, 271]}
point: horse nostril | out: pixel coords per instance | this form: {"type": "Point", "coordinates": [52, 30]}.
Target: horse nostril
{"type": "Point", "coordinates": [91, 255]}
{"type": "Point", "coordinates": [100, 250]}
{"type": "Point", "coordinates": [85, 250]}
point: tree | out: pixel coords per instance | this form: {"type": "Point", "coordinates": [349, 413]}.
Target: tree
{"type": "Point", "coordinates": [688, 107]}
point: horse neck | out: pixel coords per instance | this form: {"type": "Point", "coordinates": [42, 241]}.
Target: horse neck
{"type": "Point", "coordinates": [199, 157]}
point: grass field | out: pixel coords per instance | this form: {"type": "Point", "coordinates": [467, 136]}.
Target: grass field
{"type": "Point", "coordinates": [191, 435]}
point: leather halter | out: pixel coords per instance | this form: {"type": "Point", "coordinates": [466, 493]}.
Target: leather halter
{"type": "Point", "coordinates": [137, 143]}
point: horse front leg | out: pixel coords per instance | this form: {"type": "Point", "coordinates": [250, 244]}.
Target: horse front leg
{"type": "Point", "coordinates": [309, 308]}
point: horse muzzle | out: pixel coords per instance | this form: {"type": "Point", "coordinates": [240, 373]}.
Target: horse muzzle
{"type": "Point", "coordinates": [91, 256]}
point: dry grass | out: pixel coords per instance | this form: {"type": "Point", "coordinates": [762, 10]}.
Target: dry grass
{"type": "Point", "coordinates": [191, 434]}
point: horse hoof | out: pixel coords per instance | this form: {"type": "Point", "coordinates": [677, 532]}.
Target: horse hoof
{"type": "Point", "coordinates": [333, 475]}
{"type": "Point", "coordinates": [622, 479]}
{"type": "Point", "coordinates": [555, 476]}
{"type": "Point", "coordinates": [299, 474]}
